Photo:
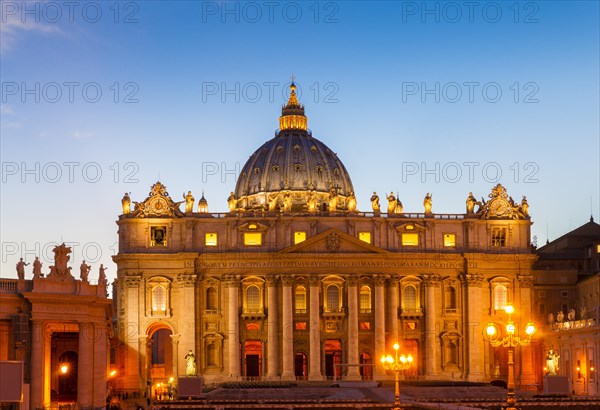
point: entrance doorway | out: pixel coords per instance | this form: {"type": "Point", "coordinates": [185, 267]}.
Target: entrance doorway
{"type": "Point", "coordinates": [64, 366]}
{"type": "Point", "coordinates": [161, 351]}
{"type": "Point", "coordinates": [300, 366]}
{"type": "Point", "coordinates": [366, 368]}
{"type": "Point", "coordinates": [333, 359]}
{"type": "Point", "coordinates": [253, 359]}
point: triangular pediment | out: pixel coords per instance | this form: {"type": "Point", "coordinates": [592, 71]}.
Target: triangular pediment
{"type": "Point", "coordinates": [333, 241]}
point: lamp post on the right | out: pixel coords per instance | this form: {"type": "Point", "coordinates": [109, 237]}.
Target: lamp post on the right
{"type": "Point", "coordinates": [492, 334]}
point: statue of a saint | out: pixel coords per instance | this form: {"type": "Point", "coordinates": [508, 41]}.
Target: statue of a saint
{"type": "Point", "coordinates": [471, 201]}
{"type": "Point", "coordinates": [126, 203]}
{"type": "Point", "coordinates": [287, 202]}
{"type": "Point", "coordinates": [392, 202]}
{"type": "Point", "coordinates": [332, 200]}
{"type": "Point", "coordinates": [84, 271]}
{"type": "Point", "coordinates": [272, 202]}
{"type": "Point", "coordinates": [551, 363]}
{"type": "Point", "coordinates": [190, 364]}
{"type": "Point", "coordinates": [571, 315]}
{"type": "Point", "coordinates": [351, 205]}
{"type": "Point", "coordinates": [524, 206]}
{"type": "Point", "coordinates": [37, 268]}
{"type": "Point", "coordinates": [560, 317]}
{"type": "Point", "coordinates": [375, 203]}
{"type": "Point", "coordinates": [21, 269]}
{"type": "Point", "coordinates": [550, 319]}
{"type": "Point", "coordinates": [427, 204]}
{"type": "Point", "coordinates": [102, 281]}
{"type": "Point", "coordinates": [231, 202]}
{"type": "Point", "coordinates": [189, 202]}
{"type": "Point", "coordinates": [311, 201]}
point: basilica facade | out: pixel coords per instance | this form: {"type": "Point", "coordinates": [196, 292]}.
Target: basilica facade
{"type": "Point", "coordinates": [295, 283]}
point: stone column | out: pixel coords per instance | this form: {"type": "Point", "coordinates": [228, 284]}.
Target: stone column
{"type": "Point", "coordinates": [85, 374]}
{"type": "Point", "coordinates": [393, 310]}
{"type": "Point", "coordinates": [272, 329]}
{"type": "Point", "coordinates": [175, 348]}
{"type": "Point", "coordinates": [233, 326]}
{"type": "Point", "coordinates": [524, 314]}
{"type": "Point", "coordinates": [37, 364]}
{"type": "Point", "coordinates": [314, 362]}
{"type": "Point", "coordinates": [134, 376]}
{"type": "Point", "coordinates": [432, 353]}
{"type": "Point", "coordinates": [287, 322]}
{"type": "Point", "coordinates": [353, 359]}
{"type": "Point", "coordinates": [379, 325]}
{"type": "Point", "coordinates": [473, 336]}
{"type": "Point", "coordinates": [100, 368]}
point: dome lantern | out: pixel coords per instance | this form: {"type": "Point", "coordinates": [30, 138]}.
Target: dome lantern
{"type": "Point", "coordinates": [292, 114]}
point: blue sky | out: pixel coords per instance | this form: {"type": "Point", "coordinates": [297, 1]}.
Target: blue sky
{"type": "Point", "coordinates": [412, 96]}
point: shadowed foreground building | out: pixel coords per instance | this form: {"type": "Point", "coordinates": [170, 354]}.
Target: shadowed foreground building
{"type": "Point", "coordinates": [295, 283]}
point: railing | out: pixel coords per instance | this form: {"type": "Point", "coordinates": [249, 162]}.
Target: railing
{"type": "Point", "coordinates": [8, 285]}
{"type": "Point", "coordinates": [572, 325]}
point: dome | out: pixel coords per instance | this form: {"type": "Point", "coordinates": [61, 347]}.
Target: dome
{"type": "Point", "coordinates": [294, 171]}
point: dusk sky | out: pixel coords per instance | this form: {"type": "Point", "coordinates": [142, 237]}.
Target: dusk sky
{"type": "Point", "coordinates": [103, 98]}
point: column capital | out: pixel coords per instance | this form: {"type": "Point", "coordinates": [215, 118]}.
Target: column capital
{"type": "Point", "coordinates": [185, 281]}
{"type": "Point", "coordinates": [394, 281]}
{"type": "Point", "coordinates": [287, 280]}
{"type": "Point", "coordinates": [525, 281]}
{"type": "Point", "coordinates": [472, 279]}
{"type": "Point", "coordinates": [431, 279]}
{"type": "Point", "coordinates": [352, 279]}
{"type": "Point", "coordinates": [271, 280]}
{"type": "Point", "coordinates": [380, 279]}
{"type": "Point", "coordinates": [231, 281]}
{"type": "Point", "coordinates": [132, 281]}
{"type": "Point", "coordinates": [314, 280]}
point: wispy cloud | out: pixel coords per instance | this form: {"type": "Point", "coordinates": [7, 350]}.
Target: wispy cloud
{"type": "Point", "coordinates": [6, 110]}
{"type": "Point", "coordinates": [13, 27]}
{"type": "Point", "coordinates": [81, 135]}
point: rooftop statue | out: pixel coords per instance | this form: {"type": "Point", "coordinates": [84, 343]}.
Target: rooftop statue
{"type": "Point", "coordinates": [375, 203]}
{"type": "Point", "coordinates": [60, 269]}
{"type": "Point", "coordinates": [189, 202]}
{"type": "Point", "coordinates": [126, 203]}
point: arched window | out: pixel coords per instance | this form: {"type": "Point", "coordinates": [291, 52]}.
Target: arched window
{"type": "Point", "coordinates": [410, 297]}
{"type": "Point", "coordinates": [450, 298]}
{"type": "Point", "coordinates": [365, 299]}
{"type": "Point", "coordinates": [253, 299]}
{"type": "Point", "coordinates": [211, 355]}
{"type": "Point", "coordinates": [211, 299]}
{"type": "Point", "coordinates": [500, 297]}
{"type": "Point", "coordinates": [159, 299]}
{"type": "Point", "coordinates": [333, 298]}
{"type": "Point", "coordinates": [300, 299]}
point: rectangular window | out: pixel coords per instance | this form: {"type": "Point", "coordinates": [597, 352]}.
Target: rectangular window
{"type": "Point", "coordinates": [158, 236]}
{"type": "Point", "coordinates": [365, 325]}
{"type": "Point", "coordinates": [449, 240]}
{"type": "Point", "coordinates": [498, 236]}
{"type": "Point", "coordinates": [598, 248]}
{"type": "Point", "coordinates": [365, 236]}
{"type": "Point", "coordinates": [210, 239]}
{"type": "Point", "coordinates": [299, 236]}
{"type": "Point", "coordinates": [410, 239]}
{"type": "Point", "coordinates": [300, 325]}
{"type": "Point", "coordinates": [252, 238]}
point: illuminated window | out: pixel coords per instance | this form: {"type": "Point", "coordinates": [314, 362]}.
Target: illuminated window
{"type": "Point", "coordinates": [332, 298]}
{"type": "Point", "coordinates": [449, 240]}
{"type": "Point", "coordinates": [159, 299]}
{"type": "Point", "coordinates": [598, 248]}
{"type": "Point", "coordinates": [365, 236]}
{"type": "Point", "coordinates": [158, 236]}
{"type": "Point", "coordinates": [365, 325]}
{"type": "Point", "coordinates": [365, 299]}
{"type": "Point", "coordinates": [211, 298]}
{"type": "Point", "coordinates": [498, 236]}
{"type": "Point", "coordinates": [253, 299]}
{"type": "Point", "coordinates": [299, 236]}
{"type": "Point", "coordinates": [410, 239]}
{"type": "Point", "coordinates": [300, 325]}
{"type": "Point", "coordinates": [410, 297]}
{"type": "Point", "coordinates": [300, 300]}
{"type": "Point", "coordinates": [500, 297]}
{"type": "Point", "coordinates": [252, 238]}
{"type": "Point", "coordinates": [210, 239]}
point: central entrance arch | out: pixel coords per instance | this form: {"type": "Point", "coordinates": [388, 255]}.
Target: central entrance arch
{"type": "Point", "coordinates": [159, 354]}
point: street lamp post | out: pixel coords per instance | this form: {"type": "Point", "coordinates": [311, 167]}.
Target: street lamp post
{"type": "Point", "coordinates": [396, 364]}
{"type": "Point", "coordinates": [492, 333]}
